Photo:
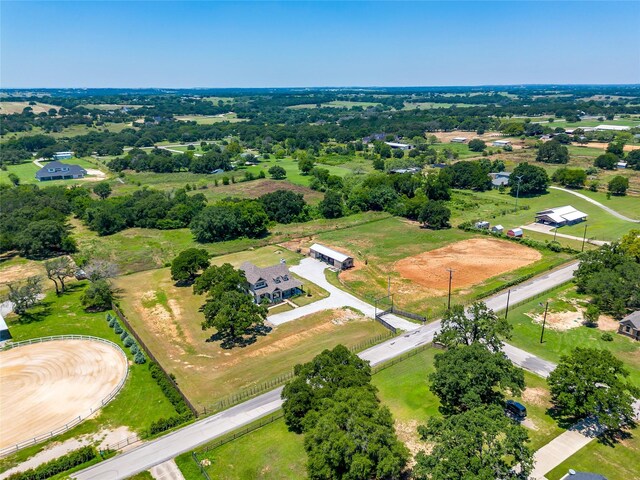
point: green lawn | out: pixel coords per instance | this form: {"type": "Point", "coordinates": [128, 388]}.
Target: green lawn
{"type": "Point", "coordinates": [627, 205]}
{"type": "Point", "coordinates": [139, 403]}
{"type": "Point", "coordinates": [137, 249]}
{"type": "Point", "coordinates": [584, 151]}
{"type": "Point", "coordinates": [462, 149]}
{"type": "Point", "coordinates": [616, 462]}
{"type": "Point", "coordinates": [526, 333]}
{"type": "Point", "coordinates": [26, 172]}
{"type": "Point", "coordinates": [271, 452]}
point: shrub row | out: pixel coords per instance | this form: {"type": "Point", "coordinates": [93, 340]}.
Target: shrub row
{"type": "Point", "coordinates": [128, 341]}
{"type": "Point", "coordinates": [169, 390]}
{"type": "Point", "coordinates": [164, 424]}
{"type": "Point", "coordinates": [58, 465]}
{"type": "Point", "coordinates": [553, 246]}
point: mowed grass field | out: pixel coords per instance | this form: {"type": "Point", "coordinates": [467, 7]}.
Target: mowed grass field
{"type": "Point", "coordinates": [558, 342]}
{"type": "Point", "coordinates": [138, 249]}
{"type": "Point", "coordinates": [168, 319]}
{"type": "Point", "coordinates": [26, 172]}
{"type": "Point", "coordinates": [211, 119]}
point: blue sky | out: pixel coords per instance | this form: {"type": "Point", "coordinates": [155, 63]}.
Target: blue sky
{"type": "Point", "coordinates": [279, 44]}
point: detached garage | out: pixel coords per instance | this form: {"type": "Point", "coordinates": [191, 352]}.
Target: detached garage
{"type": "Point", "coordinates": [330, 256]}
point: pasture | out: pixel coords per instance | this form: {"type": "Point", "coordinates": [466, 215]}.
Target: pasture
{"type": "Point", "coordinates": [211, 119]}
{"type": "Point", "coordinates": [168, 319]}
{"type": "Point", "coordinates": [379, 247]}
{"type": "Point", "coordinates": [7, 108]}
{"type": "Point", "coordinates": [335, 104]}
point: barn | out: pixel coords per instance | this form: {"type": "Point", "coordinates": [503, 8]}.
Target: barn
{"type": "Point", "coordinates": [560, 216]}
{"type": "Point", "coordinates": [515, 232]}
{"type": "Point", "coordinates": [4, 330]}
{"type": "Point", "coordinates": [330, 256]}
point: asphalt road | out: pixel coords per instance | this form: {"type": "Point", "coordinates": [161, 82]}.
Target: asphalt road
{"type": "Point", "coordinates": [193, 435]}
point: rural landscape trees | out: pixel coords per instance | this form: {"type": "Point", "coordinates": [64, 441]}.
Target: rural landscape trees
{"type": "Point", "coordinates": [188, 263]}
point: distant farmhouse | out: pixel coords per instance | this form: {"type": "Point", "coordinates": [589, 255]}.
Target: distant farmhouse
{"type": "Point", "coordinates": [375, 137]}
{"type": "Point", "coordinates": [630, 325]}
{"type": "Point", "coordinates": [60, 171]}
{"type": "Point", "coordinates": [399, 146]}
{"type": "Point", "coordinates": [561, 216]}
{"type": "Point", "coordinates": [273, 283]}
{"type": "Point", "coordinates": [330, 256]}
{"type": "Point", "coordinates": [62, 155]}
{"type": "Point", "coordinates": [499, 179]}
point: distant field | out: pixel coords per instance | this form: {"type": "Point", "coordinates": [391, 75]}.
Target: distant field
{"type": "Point", "coordinates": [72, 131]}
{"type": "Point", "coordinates": [26, 172]}
{"type": "Point", "coordinates": [435, 105]}
{"type": "Point", "coordinates": [7, 108]}
{"type": "Point", "coordinates": [337, 104]}
{"type": "Point", "coordinates": [217, 99]}
{"type": "Point", "coordinates": [211, 119]}
{"type": "Point", "coordinates": [110, 106]}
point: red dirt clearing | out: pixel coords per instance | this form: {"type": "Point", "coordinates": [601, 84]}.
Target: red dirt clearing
{"type": "Point", "coordinates": [473, 261]}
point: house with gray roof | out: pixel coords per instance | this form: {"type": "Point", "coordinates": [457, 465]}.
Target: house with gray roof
{"type": "Point", "coordinates": [630, 325]}
{"type": "Point", "coordinates": [274, 283]}
{"type": "Point", "coordinates": [60, 171]}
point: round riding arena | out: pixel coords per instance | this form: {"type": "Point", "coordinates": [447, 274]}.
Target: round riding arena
{"type": "Point", "coordinates": [472, 261]}
{"type": "Point", "coordinates": [47, 385]}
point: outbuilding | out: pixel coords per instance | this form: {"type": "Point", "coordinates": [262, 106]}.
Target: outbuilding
{"type": "Point", "coordinates": [501, 143]}
{"type": "Point", "coordinates": [459, 140]}
{"type": "Point", "coordinates": [484, 225]}
{"type": "Point", "coordinates": [4, 330]}
{"type": "Point", "coordinates": [62, 155]}
{"type": "Point", "coordinates": [560, 216]}
{"type": "Point", "coordinates": [399, 146]}
{"type": "Point", "coordinates": [330, 256]}
{"type": "Point", "coordinates": [515, 232]}
{"type": "Point", "coordinates": [497, 229]}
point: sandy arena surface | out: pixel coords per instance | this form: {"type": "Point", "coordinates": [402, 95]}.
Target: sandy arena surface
{"type": "Point", "coordinates": [473, 261]}
{"type": "Point", "coordinates": [46, 385]}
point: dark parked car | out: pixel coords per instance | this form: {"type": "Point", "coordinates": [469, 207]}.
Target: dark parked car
{"type": "Point", "coordinates": [516, 408]}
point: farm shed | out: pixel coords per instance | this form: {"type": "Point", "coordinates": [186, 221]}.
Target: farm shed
{"type": "Point", "coordinates": [62, 155]}
{"type": "Point", "coordinates": [60, 171]}
{"type": "Point", "coordinates": [612, 128]}
{"type": "Point", "coordinates": [330, 256]}
{"type": "Point", "coordinates": [501, 143]}
{"type": "Point", "coordinates": [515, 232]}
{"type": "Point", "coordinates": [459, 140]}
{"type": "Point", "coordinates": [560, 216]}
{"type": "Point", "coordinates": [497, 229]}
{"type": "Point", "coordinates": [4, 330]}
{"type": "Point", "coordinates": [630, 325]}
{"type": "Point", "coordinates": [482, 225]}
{"type": "Point", "coordinates": [499, 179]}
{"type": "Point", "coordinates": [400, 146]}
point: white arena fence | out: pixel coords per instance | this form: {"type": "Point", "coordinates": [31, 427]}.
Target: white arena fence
{"type": "Point", "coordinates": [76, 420]}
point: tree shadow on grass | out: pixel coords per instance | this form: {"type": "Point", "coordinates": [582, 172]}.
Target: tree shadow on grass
{"type": "Point", "coordinates": [35, 314]}
{"type": "Point", "coordinates": [249, 337]}
{"type": "Point", "coordinates": [590, 428]}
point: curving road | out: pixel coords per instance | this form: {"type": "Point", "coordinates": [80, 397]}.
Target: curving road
{"type": "Point", "coordinates": [200, 432]}
{"type": "Point", "coordinates": [595, 202]}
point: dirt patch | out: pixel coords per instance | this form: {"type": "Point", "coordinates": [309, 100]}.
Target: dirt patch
{"type": "Point", "coordinates": [535, 396]}
{"type": "Point", "coordinates": [407, 433]}
{"type": "Point", "coordinates": [473, 261]}
{"type": "Point", "coordinates": [603, 146]}
{"type": "Point", "coordinates": [560, 321]}
{"type": "Point", "coordinates": [46, 385]}
{"type": "Point", "coordinates": [607, 323]}
{"type": "Point", "coordinates": [256, 188]}
{"type": "Point", "coordinates": [14, 273]}
{"type": "Point", "coordinates": [528, 423]}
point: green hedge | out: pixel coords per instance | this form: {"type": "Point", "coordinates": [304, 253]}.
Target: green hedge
{"type": "Point", "coordinates": [58, 465]}
{"type": "Point", "coordinates": [169, 390]}
{"type": "Point", "coordinates": [164, 424]}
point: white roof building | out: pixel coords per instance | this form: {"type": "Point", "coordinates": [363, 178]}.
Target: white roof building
{"type": "Point", "coordinates": [458, 139]}
{"type": "Point", "coordinates": [615, 128]}
{"type": "Point", "coordinates": [560, 216]}
{"type": "Point", "coordinates": [501, 143]}
{"type": "Point", "coordinates": [330, 256]}
{"type": "Point", "coordinates": [401, 146]}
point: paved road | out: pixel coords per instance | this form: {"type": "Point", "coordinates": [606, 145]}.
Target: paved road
{"type": "Point", "coordinates": [595, 202]}
{"type": "Point", "coordinates": [207, 429]}
{"type": "Point", "coordinates": [167, 471]}
{"type": "Point", "coordinates": [547, 230]}
{"type": "Point", "coordinates": [313, 270]}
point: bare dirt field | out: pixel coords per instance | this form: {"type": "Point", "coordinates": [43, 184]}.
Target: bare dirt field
{"type": "Point", "coordinates": [46, 385]}
{"type": "Point", "coordinates": [7, 108]}
{"type": "Point", "coordinates": [473, 261]}
{"type": "Point", "coordinates": [260, 187]}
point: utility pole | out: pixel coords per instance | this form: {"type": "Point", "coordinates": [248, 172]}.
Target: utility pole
{"type": "Point", "coordinates": [506, 312]}
{"type": "Point", "coordinates": [584, 237]}
{"type": "Point", "coordinates": [555, 232]}
{"type": "Point", "coordinates": [450, 278]}
{"type": "Point", "coordinates": [518, 193]}
{"type": "Point", "coordinates": [544, 320]}
{"type": "Point", "coordinates": [389, 284]}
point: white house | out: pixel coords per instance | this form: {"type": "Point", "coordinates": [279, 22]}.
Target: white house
{"type": "Point", "coordinates": [560, 216]}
